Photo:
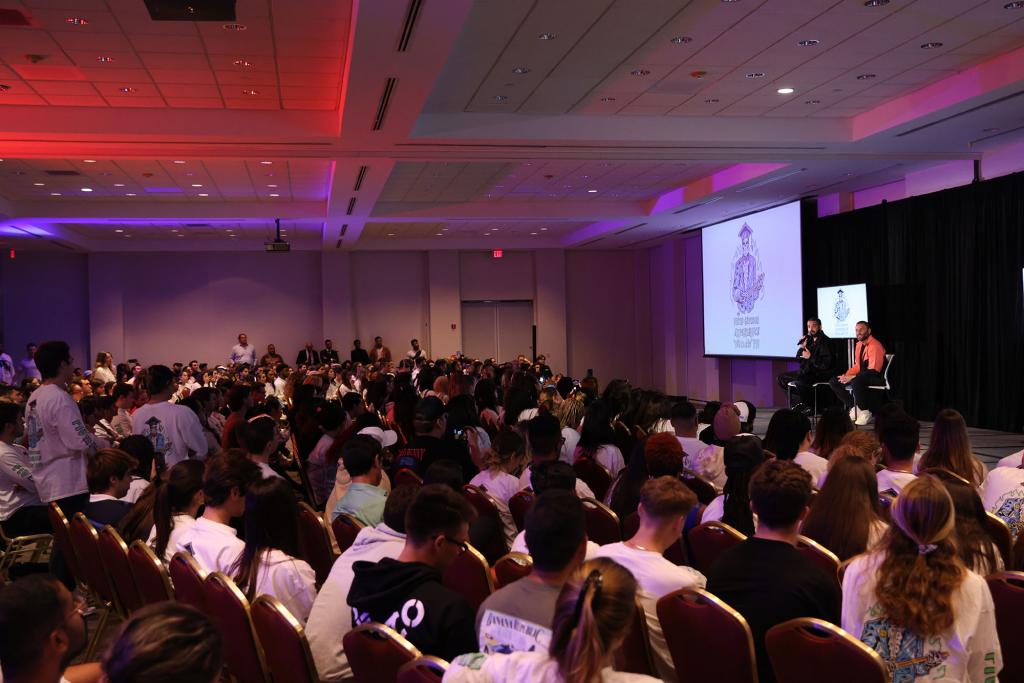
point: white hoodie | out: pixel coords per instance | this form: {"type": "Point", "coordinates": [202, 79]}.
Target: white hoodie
{"type": "Point", "coordinates": [331, 617]}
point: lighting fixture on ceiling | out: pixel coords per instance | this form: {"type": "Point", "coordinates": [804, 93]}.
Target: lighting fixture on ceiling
{"type": "Point", "coordinates": [39, 184]}
{"type": "Point", "coordinates": [274, 194]}
{"type": "Point", "coordinates": [930, 46]}
{"type": "Point", "coordinates": [711, 100]}
{"type": "Point", "coordinates": [242, 62]}
{"type": "Point", "coordinates": [520, 70]}
{"type": "Point", "coordinates": [89, 161]}
{"type": "Point", "coordinates": [865, 77]}
{"type": "Point", "coordinates": [591, 191]}
{"type": "Point", "coordinates": [118, 230]}
{"type": "Point", "coordinates": [203, 194]}
{"type": "Point", "coordinates": [86, 189]}
{"type": "Point", "coordinates": [178, 161]}
{"type": "Point", "coordinates": [875, 3]}
{"type": "Point", "coordinates": [1019, 4]}
{"type": "Point", "coordinates": [640, 72]}
{"type": "Point", "coordinates": [77, 21]}
{"type": "Point", "coordinates": [130, 194]}
{"type": "Point", "coordinates": [533, 233]}
{"type": "Point", "coordinates": [266, 163]}
{"type": "Point", "coordinates": [233, 27]}
{"type": "Point", "coordinates": [128, 90]}
{"type": "Point", "coordinates": [543, 229]}
{"type": "Point", "coordinates": [810, 42]}
{"type": "Point", "coordinates": [500, 98]}
{"type": "Point", "coordinates": [391, 234]}
{"type": "Point", "coordinates": [813, 102]}
{"type": "Point", "coordinates": [271, 185]}
{"type": "Point", "coordinates": [607, 99]}
{"type": "Point", "coordinates": [103, 59]}
{"type": "Point", "coordinates": [755, 74]}
{"type": "Point", "coordinates": [547, 36]}
{"type": "Point", "coordinates": [681, 40]}
{"type": "Point", "coordinates": [55, 194]}
{"type": "Point", "coordinates": [785, 91]}
{"type": "Point", "coordinates": [250, 91]}
{"type": "Point", "coordinates": [118, 184]}
{"type": "Point", "coordinates": [197, 185]}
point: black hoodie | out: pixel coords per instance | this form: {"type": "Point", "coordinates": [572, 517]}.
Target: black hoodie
{"type": "Point", "coordinates": [409, 597]}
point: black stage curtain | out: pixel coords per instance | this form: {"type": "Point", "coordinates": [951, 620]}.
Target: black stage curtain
{"type": "Point", "coordinates": [944, 293]}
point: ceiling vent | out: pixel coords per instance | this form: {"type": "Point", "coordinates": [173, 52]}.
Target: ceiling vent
{"type": "Point", "coordinates": [633, 227]}
{"type": "Point", "coordinates": [62, 173]}
{"type": "Point", "coordinates": [385, 101]}
{"type": "Point", "coordinates": [359, 178]}
{"type": "Point", "coordinates": [411, 15]}
{"type": "Point", "coordinates": [191, 10]}
{"type": "Point", "coordinates": [700, 204]}
{"type": "Point", "coordinates": [197, 225]}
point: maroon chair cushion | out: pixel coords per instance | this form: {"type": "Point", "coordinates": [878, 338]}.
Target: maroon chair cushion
{"type": "Point", "coordinates": [62, 537]}
{"type": "Point", "coordinates": [813, 650]}
{"type": "Point", "coordinates": [708, 541]}
{"type": "Point", "coordinates": [230, 611]}
{"type": "Point", "coordinates": [594, 475]}
{"type": "Point", "coordinates": [114, 555]}
{"type": "Point", "coordinates": [406, 477]}
{"type": "Point", "coordinates": [87, 549]}
{"type": "Point", "coordinates": [702, 488]}
{"type": "Point", "coordinates": [634, 655]}
{"type": "Point", "coordinates": [602, 524]}
{"type": "Point", "coordinates": [490, 540]}
{"type": "Point", "coordinates": [706, 638]}
{"type": "Point", "coordinates": [423, 670]}
{"type": "Point", "coordinates": [376, 653]}
{"type": "Point", "coordinates": [518, 505]}
{"type": "Point", "coordinates": [314, 543]}
{"type": "Point", "coordinates": [1008, 595]}
{"type": "Point", "coordinates": [151, 578]}
{"type": "Point", "coordinates": [284, 642]}
{"type": "Point", "coordinates": [188, 581]}
{"type": "Point", "coordinates": [470, 577]}
{"type": "Point", "coordinates": [345, 530]}
{"type": "Point", "coordinates": [511, 567]}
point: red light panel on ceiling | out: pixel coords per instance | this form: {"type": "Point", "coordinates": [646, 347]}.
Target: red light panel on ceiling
{"type": "Point", "coordinates": [497, 253]}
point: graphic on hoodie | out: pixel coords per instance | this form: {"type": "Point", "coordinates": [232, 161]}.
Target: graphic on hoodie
{"type": "Point", "coordinates": [411, 615]}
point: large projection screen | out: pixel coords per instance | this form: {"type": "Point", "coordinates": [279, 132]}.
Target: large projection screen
{"type": "Point", "coordinates": [840, 308]}
{"type": "Point", "coordinates": [753, 286]}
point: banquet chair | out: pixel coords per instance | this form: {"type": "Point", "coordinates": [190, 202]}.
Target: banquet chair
{"type": "Point", "coordinates": [283, 638]}
{"type": "Point", "coordinates": [806, 650]}
{"type": "Point", "coordinates": [707, 639]}
{"type": "Point", "coordinates": [188, 579]}
{"type": "Point", "coordinates": [345, 528]}
{"type": "Point", "coordinates": [151, 577]}
{"type": "Point", "coordinates": [314, 543]}
{"type": "Point", "coordinates": [511, 567]}
{"type": "Point", "coordinates": [230, 611]}
{"type": "Point", "coordinates": [423, 669]}
{"type": "Point", "coordinates": [470, 576]}
{"type": "Point", "coordinates": [376, 652]}
{"type": "Point", "coordinates": [709, 540]}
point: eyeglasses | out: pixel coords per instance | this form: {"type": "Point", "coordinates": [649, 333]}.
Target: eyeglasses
{"type": "Point", "coordinates": [463, 546]}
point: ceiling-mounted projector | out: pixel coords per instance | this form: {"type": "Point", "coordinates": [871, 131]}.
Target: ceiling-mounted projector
{"type": "Point", "coordinates": [277, 244]}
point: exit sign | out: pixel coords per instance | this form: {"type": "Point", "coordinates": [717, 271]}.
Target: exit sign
{"type": "Point", "coordinates": [497, 253]}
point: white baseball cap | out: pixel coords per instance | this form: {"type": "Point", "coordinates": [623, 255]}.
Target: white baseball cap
{"type": "Point", "coordinates": [384, 437]}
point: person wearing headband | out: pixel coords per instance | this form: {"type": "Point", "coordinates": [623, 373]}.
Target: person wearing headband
{"type": "Point", "coordinates": [915, 603]}
{"type": "Point", "coordinates": [592, 617]}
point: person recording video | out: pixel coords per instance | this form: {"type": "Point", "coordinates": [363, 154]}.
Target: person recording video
{"type": "Point", "coordinates": [814, 350]}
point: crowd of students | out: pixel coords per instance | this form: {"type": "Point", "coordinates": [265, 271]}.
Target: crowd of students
{"type": "Point", "coordinates": [215, 466]}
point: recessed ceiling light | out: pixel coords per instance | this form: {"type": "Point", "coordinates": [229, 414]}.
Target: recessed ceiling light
{"type": "Point", "coordinates": [266, 163]}
{"type": "Point", "coordinates": [271, 185]}
{"type": "Point", "coordinates": [274, 194]}
{"type": "Point", "coordinates": [607, 99]}
{"type": "Point", "coordinates": [242, 62]}
{"type": "Point", "coordinates": [533, 233]}
{"type": "Point", "coordinates": [865, 77]}
{"type": "Point", "coordinates": [89, 161]}
{"type": "Point", "coordinates": [179, 161]}
{"type": "Point", "coordinates": [810, 42]}
{"type": "Point", "coordinates": [103, 59]}
{"type": "Point", "coordinates": [391, 234]}
{"type": "Point", "coordinates": [55, 194]}
{"type": "Point", "coordinates": [77, 21]}
{"type": "Point", "coordinates": [128, 89]}
{"type": "Point", "coordinates": [755, 74]}
{"type": "Point", "coordinates": [1019, 4]}
{"type": "Point", "coordinates": [500, 98]}
{"type": "Point", "coordinates": [520, 70]}
{"type": "Point", "coordinates": [591, 191]}
{"type": "Point", "coordinates": [130, 194]}
{"type": "Point", "coordinates": [930, 46]}
{"type": "Point", "coordinates": [233, 27]}
{"type": "Point", "coordinates": [197, 184]}
{"type": "Point", "coordinates": [547, 36]}
{"type": "Point", "coordinates": [250, 91]}
{"type": "Point", "coordinates": [711, 100]}
{"type": "Point", "coordinates": [118, 184]}
{"type": "Point", "coordinates": [640, 72]}
{"type": "Point", "coordinates": [174, 230]}
{"type": "Point", "coordinates": [785, 91]}
{"type": "Point", "coordinates": [813, 102]}
{"type": "Point", "coordinates": [86, 189]}
{"type": "Point", "coordinates": [875, 3]}
{"type": "Point", "coordinates": [543, 229]}
{"type": "Point", "coordinates": [680, 40]}
{"type": "Point", "coordinates": [203, 194]}
{"type": "Point", "coordinates": [39, 184]}
{"type": "Point", "coordinates": [179, 235]}
{"type": "Point", "coordinates": [118, 230]}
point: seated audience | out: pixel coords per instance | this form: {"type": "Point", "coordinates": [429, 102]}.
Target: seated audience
{"type": "Point", "coordinates": [709, 462]}
{"type": "Point", "coordinates": [915, 603]}
{"type": "Point", "coordinates": [846, 517]}
{"type": "Point", "coordinates": [175, 508]}
{"type": "Point", "coordinates": [684, 422]}
{"type": "Point", "coordinates": [430, 422]}
{"type": "Point", "coordinates": [268, 564]}
{"type": "Point", "coordinates": [168, 642]}
{"type": "Point", "coordinates": [518, 617]}
{"type": "Point", "coordinates": [664, 504]}
{"type": "Point", "coordinates": [899, 435]}
{"type": "Point", "coordinates": [570, 414]}
{"type": "Point", "coordinates": [659, 455]}
{"type": "Point", "coordinates": [259, 437]}
{"type": "Point", "coordinates": [21, 511]}
{"type": "Point", "coordinates": [551, 475]}
{"type": "Point", "coordinates": [108, 472]}
{"type": "Point", "coordinates": [407, 592]}
{"type": "Point", "coordinates": [240, 401]}
{"type": "Point", "coordinates": [498, 461]}
{"type": "Point", "coordinates": [743, 455]}
{"type": "Point", "coordinates": [212, 540]}
{"type": "Point", "coordinates": [140, 448]}
{"type": "Point", "coordinates": [331, 618]}
{"type": "Point", "coordinates": [792, 439]}
{"type": "Point", "coordinates": [974, 545]}
{"type": "Point", "coordinates": [832, 426]}
{"type": "Point", "coordinates": [765, 578]}
{"type": "Point", "coordinates": [322, 467]}
{"type": "Point", "coordinates": [173, 429]}
{"type": "Point", "coordinates": [593, 615]}
{"type": "Point", "coordinates": [597, 438]}
{"type": "Point", "coordinates": [544, 442]}
{"type": "Point", "coordinates": [365, 499]}
{"type": "Point", "coordinates": [41, 630]}
{"type": "Point", "coordinates": [1003, 495]}
{"type": "Point", "coordinates": [950, 448]}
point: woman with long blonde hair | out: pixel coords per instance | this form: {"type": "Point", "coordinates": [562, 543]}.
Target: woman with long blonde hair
{"type": "Point", "coordinates": [103, 370]}
{"type": "Point", "coordinates": [592, 616]}
{"type": "Point", "coordinates": [915, 603]}
{"type": "Point", "coordinates": [950, 448]}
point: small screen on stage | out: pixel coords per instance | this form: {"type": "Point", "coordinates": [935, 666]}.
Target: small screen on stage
{"type": "Point", "coordinates": [753, 297]}
{"type": "Point", "coordinates": [840, 308]}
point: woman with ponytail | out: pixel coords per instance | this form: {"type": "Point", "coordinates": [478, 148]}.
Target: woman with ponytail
{"type": "Point", "coordinates": [592, 616]}
{"type": "Point", "coordinates": [175, 507]}
{"type": "Point", "coordinates": [915, 603]}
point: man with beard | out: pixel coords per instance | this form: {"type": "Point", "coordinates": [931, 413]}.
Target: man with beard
{"type": "Point", "coordinates": [41, 630]}
{"type": "Point", "coordinates": [816, 361]}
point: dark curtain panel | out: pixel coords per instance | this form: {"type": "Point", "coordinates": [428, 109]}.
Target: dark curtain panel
{"type": "Point", "coordinates": [944, 293]}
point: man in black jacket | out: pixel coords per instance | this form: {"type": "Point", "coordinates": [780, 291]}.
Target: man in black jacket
{"type": "Point", "coordinates": [358, 354]}
{"type": "Point", "coordinates": [329, 354]}
{"type": "Point", "coordinates": [816, 364]}
{"type": "Point", "coordinates": [308, 356]}
{"type": "Point", "coordinates": [407, 594]}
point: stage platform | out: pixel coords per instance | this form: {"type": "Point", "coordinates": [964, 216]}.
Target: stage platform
{"type": "Point", "coordinates": [988, 444]}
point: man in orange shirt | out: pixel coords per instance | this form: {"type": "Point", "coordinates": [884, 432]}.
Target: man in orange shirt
{"type": "Point", "coordinates": [869, 358]}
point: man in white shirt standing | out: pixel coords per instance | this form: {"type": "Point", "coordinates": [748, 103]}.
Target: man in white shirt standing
{"type": "Point", "coordinates": [664, 504]}
{"type": "Point", "coordinates": [6, 367]}
{"type": "Point", "coordinates": [29, 369]}
{"type": "Point", "coordinates": [211, 540]}
{"type": "Point", "coordinates": [243, 353]}
{"type": "Point", "coordinates": [415, 351]}
{"type": "Point", "coordinates": [174, 430]}
{"type": "Point", "coordinates": [58, 440]}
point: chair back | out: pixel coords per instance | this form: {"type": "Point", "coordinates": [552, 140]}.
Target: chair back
{"type": "Point", "coordinates": [424, 669]}
{"type": "Point", "coordinates": [62, 537]}
{"type": "Point", "coordinates": [493, 544]}
{"type": "Point", "coordinates": [87, 549]}
{"type": "Point", "coordinates": [150, 574]}
{"type": "Point", "coordinates": [709, 540]}
{"type": "Point", "coordinates": [634, 654]}
{"type": "Point", "coordinates": [345, 528]}
{"type": "Point", "coordinates": [470, 576]}
{"type": "Point", "coordinates": [309, 492]}
{"type": "Point", "coordinates": [114, 556]}
{"type": "Point", "coordinates": [1001, 535]}
{"type": "Point", "coordinates": [406, 477]}
{"type": "Point", "coordinates": [824, 558]}
{"type": "Point", "coordinates": [602, 524]}
{"type": "Point", "coordinates": [1007, 590]}
{"type": "Point", "coordinates": [230, 611]}
{"type": "Point", "coordinates": [518, 504]}
{"type": "Point", "coordinates": [376, 652]}
{"type": "Point", "coordinates": [188, 578]}
{"type": "Point", "coordinates": [284, 641]}
{"type": "Point", "coordinates": [803, 650]}
{"type": "Point", "coordinates": [593, 474]}
{"type": "Point", "coordinates": [701, 487]}
{"type": "Point", "coordinates": [511, 567]}
{"type": "Point", "coordinates": [314, 543]}
{"type": "Point", "coordinates": [707, 639]}
{"type": "Point", "coordinates": [885, 371]}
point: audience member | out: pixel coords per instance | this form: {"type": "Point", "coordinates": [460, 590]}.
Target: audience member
{"type": "Point", "coordinates": [684, 422]}
{"type": "Point", "coordinates": [551, 475]}
{"type": "Point", "coordinates": [659, 455]}
{"type": "Point", "coordinates": [260, 438]}
{"type": "Point", "coordinates": [365, 499]}
{"type": "Point", "coordinates": [41, 629]}
{"type": "Point", "coordinates": [407, 592]}
{"type": "Point", "coordinates": [1003, 495]}
{"type": "Point", "coordinates": [168, 642]}
{"type": "Point", "coordinates": [140, 448]}
{"type": "Point", "coordinates": [240, 402]}
{"type": "Point", "coordinates": [544, 441]}
{"type": "Point", "coordinates": [430, 423]}
{"type": "Point", "coordinates": [950, 448]}
{"type": "Point", "coordinates": [709, 462]}
{"type": "Point", "coordinates": [765, 578]}
{"type": "Point", "coordinates": [793, 438]}
{"type": "Point", "coordinates": [832, 426]}
{"type": "Point", "coordinates": [173, 429]}
{"type": "Point", "coordinates": [175, 507]}
{"type": "Point", "coordinates": [900, 438]}
{"type": "Point", "coordinates": [21, 511]}
{"type": "Point", "coordinates": [322, 466]}
{"type": "Point", "coordinates": [915, 603]}
{"type": "Point", "coordinates": [498, 461]}
{"type": "Point", "coordinates": [108, 472]}
{"type": "Point", "coordinates": [974, 545]}
{"type": "Point", "coordinates": [570, 414]}
{"type": "Point", "coordinates": [597, 438]}
{"type": "Point", "coordinates": [124, 402]}
{"type": "Point", "coordinates": [743, 455]}
{"type": "Point", "coordinates": [846, 517]}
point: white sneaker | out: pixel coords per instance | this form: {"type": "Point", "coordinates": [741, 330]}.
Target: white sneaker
{"type": "Point", "coordinates": [863, 418]}
{"type": "Point", "coordinates": [853, 413]}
